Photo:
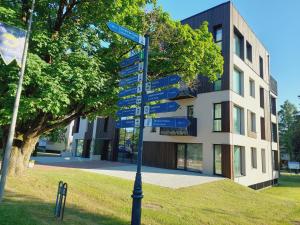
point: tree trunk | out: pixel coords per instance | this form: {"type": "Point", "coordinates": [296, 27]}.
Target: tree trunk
{"type": "Point", "coordinates": [20, 156]}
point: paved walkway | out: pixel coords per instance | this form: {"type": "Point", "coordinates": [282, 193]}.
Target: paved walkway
{"type": "Point", "coordinates": [151, 175]}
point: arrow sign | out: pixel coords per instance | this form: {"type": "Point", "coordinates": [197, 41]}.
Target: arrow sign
{"type": "Point", "coordinates": [128, 123]}
{"type": "Point", "coordinates": [132, 69]}
{"type": "Point", "coordinates": [169, 80]}
{"type": "Point", "coordinates": [131, 60]}
{"type": "Point", "coordinates": [165, 94]}
{"type": "Point", "coordinates": [129, 112]}
{"type": "Point", "coordinates": [129, 101]}
{"type": "Point", "coordinates": [167, 122]}
{"type": "Point", "coordinates": [131, 80]}
{"type": "Point", "coordinates": [129, 34]}
{"type": "Point", "coordinates": [161, 108]}
{"type": "Point", "coordinates": [131, 91]}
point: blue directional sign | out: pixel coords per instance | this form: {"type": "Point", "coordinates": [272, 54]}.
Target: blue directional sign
{"type": "Point", "coordinates": [161, 108]}
{"type": "Point", "coordinates": [131, 80]}
{"type": "Point", "coordinates": [128, 123]}
{"type": "Point", "coordinates": [167, 122]}
{"type": "Point", "coordinates": [129, 101]}
{"type": "Point", "coordinates": [131, 91]}
{"type": "Point", "coordinates": [129, 34]}
{"type": "Point", "coordinates": [129, 112]}
{"type": "Point", "coordinates": [165, 94]}
{"type": "Point", "coordinates": [169, 80]}
{"type": "Point", "coordinates": [131, 60]}
{"type": "Point", "coordinates": [131, 69]}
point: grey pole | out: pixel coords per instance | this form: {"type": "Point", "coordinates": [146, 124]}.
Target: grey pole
{"type": "Point", "coordinates": [138, 191]}
{"type": "Point", "coordinates": [11, 133]}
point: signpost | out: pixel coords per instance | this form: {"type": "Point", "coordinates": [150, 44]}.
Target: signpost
{"type": "Point", "coordinates": [131, 66]}
{"type": "Point", "coordinates": [162, 108]}
{"type": "Point", "coordinates": [167, 122]}
{"type": "Point", "coordinates": [173, 79]}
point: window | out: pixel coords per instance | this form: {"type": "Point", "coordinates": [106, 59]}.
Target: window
{"type": "Point", "coordinates": [218, 159]}
{"type": "Point", "coordinates": [218, 35]}
{"type": "Point", "coordinates": [217, 117]}
{"type": "Point", "coordinates": [273, 105]}
{"type": "Point", "coordinates": [106, 124]}
{"type": "Point", "coordinates": [261, 67]}
{"type": "Point", "coordinates": [249, 51]}
{"type": "Point", "coordinates": [275, 160]}
{"type": "Point", "coordinates": [254, 158]}
{"type": "Point", "coordinates": [237, 81]}
{"type": "Point", "coordinates": [238, 161]}
{"type": "Point", "coordinates": [262, 128]}
{"type": "Point", "coordinates": [262, 97]}
{"type": "Point", "coordinates": [238, 44]}
{"type": "Point", "coordinates": [218, 85]}
{"type": "Point", "coordinates": [190, 111]}
{"type": "Point", "coordinates": [153, 129]}
{"type": "Point", "coordinates": [252, 88]}
{"type": "Point", "coordinates": [252, 122]}
{"type": "Point", "coordinates": [263, 160]}
{"type": "Point", "coordinates": [274, 132]}
{"type": "Point", "coordinates": [237, 120]}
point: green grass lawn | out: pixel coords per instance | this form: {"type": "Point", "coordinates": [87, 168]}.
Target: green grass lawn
{"type": "Point", "coordinates": [98, 199]}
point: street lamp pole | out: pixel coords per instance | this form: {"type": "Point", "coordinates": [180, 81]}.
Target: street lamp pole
{"type": "Point", "coordinates": [138, 191]}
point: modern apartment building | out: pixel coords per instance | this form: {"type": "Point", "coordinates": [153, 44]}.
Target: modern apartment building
{"type": "Point", "coordinates": [233, 131]}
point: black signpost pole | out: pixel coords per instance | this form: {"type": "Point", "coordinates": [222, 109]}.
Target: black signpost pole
{"type": "Point", "coordinates": [138, 191]}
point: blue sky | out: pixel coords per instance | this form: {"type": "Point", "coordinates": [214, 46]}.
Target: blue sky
{"type": "Point", "coordinates": [277, 25]}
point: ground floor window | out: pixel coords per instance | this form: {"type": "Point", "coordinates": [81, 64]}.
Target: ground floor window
{"type": "Point", "coordinates": [218, 159]}
{"type": "Point", "coordinates": [79, 147]}
{"type": "Point", "coordinates": [238, 161]}
{"type": "Point", "coordinates": [190, 157]}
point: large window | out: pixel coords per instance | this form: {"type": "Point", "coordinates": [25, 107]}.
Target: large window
{"type": "Point", "coordinates": [253, 158]}
{"type": "Point", "coordinates": [252, 88]}
{"type": "Point", "coordinates": [218, 35]}
{"type": "Point", "coordinates": [261, 67]}
{"type": "Point", "coordinates": [274, 132]}
{"type": "Point", "coordinates": [237, 81]}
{"type": "Point", "coordinates": [218, 159]}
{"type": "Point", "coordinates": [190, 111]}
{"type": "Point", "coordinates": [237, 120]}
{"type": "Point", "coordinates": [262, 97]}
{"type": "Point", "coordinates": [262, 128]}
{"type": "Point", "coordinates": [238, 44]}
{"type": "Point", "coordinates": [273, 105]}
{"type": "Point", "coordinates": [263, 160]}
{"type": "Point", "coordinates": [217, 117]}
{"type": "Point", "coordinates": [218, 85]}
{"type": "Point", "coordinates": [252, 122]}
{"type": "Point", "coordinates": [275, 160]}
{"type": "Point", "coordinates": [249, 51]}
{"type": "Point", "coordinates": [238, 161]}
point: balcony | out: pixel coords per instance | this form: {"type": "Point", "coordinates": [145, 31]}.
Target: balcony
{"type": "Point", "coordinates": [273, 85]}
{"type": "Point", "coordinates": [191, 130]}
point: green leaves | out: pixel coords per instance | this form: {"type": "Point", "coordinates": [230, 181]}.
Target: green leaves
{"type": "Point", "coordinates": [72, 67]}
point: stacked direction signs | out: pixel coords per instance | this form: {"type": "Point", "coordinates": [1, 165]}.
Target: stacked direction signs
{"type": "Point", "coordinates": [133, 99]}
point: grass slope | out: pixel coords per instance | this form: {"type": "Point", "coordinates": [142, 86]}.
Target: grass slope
{"type": "Point", "coordinates": [98, 199]}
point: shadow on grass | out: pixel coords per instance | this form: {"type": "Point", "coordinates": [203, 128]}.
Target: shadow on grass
{"type": "Point", "coordinates": [19, 209]}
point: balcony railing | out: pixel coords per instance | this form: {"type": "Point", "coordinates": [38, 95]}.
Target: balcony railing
{"type": "Point", "coordinates": [273, 85]}
{"type": "Point", "coordinates": [191, 130]}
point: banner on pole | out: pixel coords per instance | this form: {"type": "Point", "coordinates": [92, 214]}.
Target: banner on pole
{"type": "Point", "coordinates": [12, 43]}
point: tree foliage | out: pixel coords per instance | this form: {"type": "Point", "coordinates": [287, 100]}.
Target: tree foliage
{"type": "Point", "coordinates": [72, 66]}
{"type": "Point", "coordinates": [287, 126]}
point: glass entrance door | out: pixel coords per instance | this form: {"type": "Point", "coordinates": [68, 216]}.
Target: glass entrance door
{"type": "Point", "coordinates": [189, 157]}
{"type": "Point", "coordinates": [181, 156]}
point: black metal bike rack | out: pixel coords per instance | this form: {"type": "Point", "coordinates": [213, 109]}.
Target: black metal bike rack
{"type": "Point", "coordinates": [61, 200]}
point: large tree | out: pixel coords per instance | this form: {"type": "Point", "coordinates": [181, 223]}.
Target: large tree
{"type": "Point", "coordinates": [73, 61]}
{"type": "Point", "coordinates": [287, 124]}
